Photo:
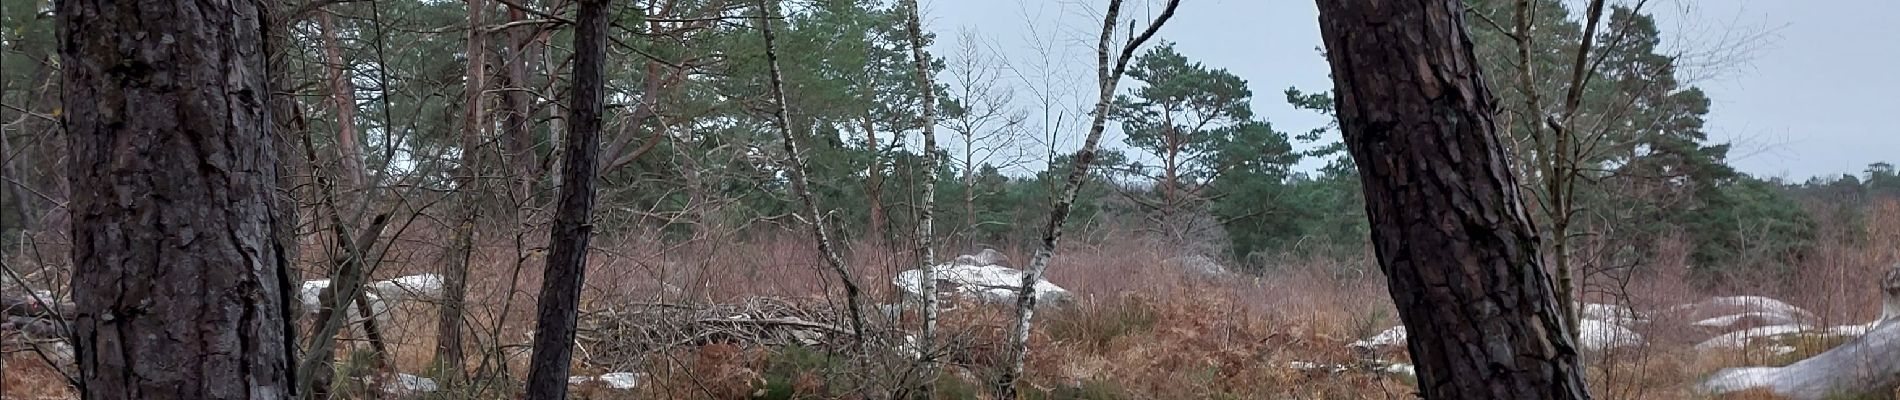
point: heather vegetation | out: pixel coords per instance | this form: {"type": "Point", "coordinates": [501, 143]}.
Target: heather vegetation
{"type": "Point", "coordinates": [775, 182]}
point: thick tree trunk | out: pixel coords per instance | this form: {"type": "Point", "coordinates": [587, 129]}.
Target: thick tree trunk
{"type": "Point", "coordinates": [179, 284]}
{"type": "Point", "coordinates": [926, 214]}
{"type": "Point", "coordinates": [1106, 77]}
{"type": "Point", "coordinates": [1450, 231]}
{"type": "Point", "coordinates": [567, 254]}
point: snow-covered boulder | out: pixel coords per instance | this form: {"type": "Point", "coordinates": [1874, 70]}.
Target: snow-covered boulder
{"type": "Point", "coordinates": [412, 287]}
{"type": "Point", "coordinates": [312, 292]}
{"type": "Point", "coordinates": [610, 380]}
{"type": "Point", "coordinates": [1394, 336]}
{"type": "Point", "coordinates": [1752, 318]}
{"type": "Point", "coordinates": [406, 384]}
{"type": "Point", "coordinates": [1722, 306]}
{"type": "Point", "coordinates": [986, 283]}
{"type": "Point", "coordinates": [985, 257]}
{"type": "Point", "coordinates": [1596, 336]}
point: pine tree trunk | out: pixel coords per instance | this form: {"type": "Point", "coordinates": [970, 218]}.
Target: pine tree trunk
{"type": "Point", "coordinates": [926, 213]}
{"type": "Point", "coordinates": [874, 181]}
{"type": "Point", "coordinates": [469, 189]}
{"type": "Point", "coordinates": [1450, 232]}
{"type": "Point", "coordinates": [515, 126]}
{"type": "Point", "coordinates": [180, 285]}
{"type": "Point", "coordinates": [343, 97]}
{"type": "Point", "coordinates": [556, 310]}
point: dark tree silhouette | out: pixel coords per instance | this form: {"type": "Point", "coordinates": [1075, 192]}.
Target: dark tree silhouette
{"type": "Point", "coordinates": [567, 243]}
{"type": "Point", "coordinates": [1450, 230]}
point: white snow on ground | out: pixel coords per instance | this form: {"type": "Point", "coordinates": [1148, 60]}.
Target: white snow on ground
{"type": "Point", "coordinates": [1600, 335]}
{"type": "Point", "coordinates": [406, 383]}
{"type": "Point", "coordinates": [1738, 379]}
{"type": "Point", "coordinates": [1596, 335]}
{"type": "Point", "coordinates": [988, 283]}
{"type": "Point", "coordinates": [1390, 337]}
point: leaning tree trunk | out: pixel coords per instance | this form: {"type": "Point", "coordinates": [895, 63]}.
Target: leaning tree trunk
{"type": "Point", "coordinates": [801, 185]}
{"type": "Point", "coordinates": [1448, 226]}
{"type": "Point", "coordinates": [179, 282]}
{"type": "Point", "coordinates": [1106, 77]}
{"type": "Point", "coordinates": [1868, 367]}
{"type": "Point", "coordinates": [567, 248]}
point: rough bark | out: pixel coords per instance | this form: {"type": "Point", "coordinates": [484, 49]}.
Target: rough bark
{"type": "Point", "coordinates": [469, 187]}
{"type": "Point", "coordinates": [343, 97]}
{"type": "Point", "coordinates": [1448, 226]}
{"type": "Point", "coordinates": [874, 181]}
{"type": "Point", "coordinates": [180, 285]}
{"type": "Point", "coordinates": [22, 204]}
{"type": "Point", "coordinates": [1106, 77]}
{"type": "Point", "coordinates": [567, 254]}
{"type": "Point", "coordinates": [801, 185]}
{"type": "Point", "coordinates": [514, 102]}
{"type": "Point", "coordinates": [926, 213]}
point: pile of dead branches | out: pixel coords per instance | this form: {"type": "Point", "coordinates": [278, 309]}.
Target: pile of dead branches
{"type": "Point", "coordinates": [622, 335]}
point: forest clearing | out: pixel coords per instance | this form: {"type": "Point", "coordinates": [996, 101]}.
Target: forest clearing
{"type": "Point", "coordinates": [871, 199]}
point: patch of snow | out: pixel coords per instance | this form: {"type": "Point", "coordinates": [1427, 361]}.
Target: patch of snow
{"type": "Point", "coordinates": [310, 294]}
{"type": "Point", "coordinates": [1767, 318]}
{"type": "Point", "coordinates": [988, 283]}
{"type": "Point", "coordinates": [1852, 330]}
{"type": "Point", "coordinates": [419, 286]}
{"type": "Point", "coordinates": [1747, 304]}
{"type": "Point", "coordinates": [620, 380]}
{"type": "Point", "coordinates": [1600, 335]}
{"type": "Point", "coordinates": [1596, 335]}
{"type": "Point", "coordinates": [1738, 339]}
{"type": "Point", "coordinates": [1308, 366]}
{"type": "Point", "coordinates": [1401, 369]}
{"type": "Point", "coordinates": [985, 257]}
{"type": "Point", "coordinates": [406, 383]}
{"type": "Point", "coordinates": [1738, 379]}
{"type": "Point", "coordinates": [1619, 315]}
{"type": "Point", "coordinates": [1394, 336]}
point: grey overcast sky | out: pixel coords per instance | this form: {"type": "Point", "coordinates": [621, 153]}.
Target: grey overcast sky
{"type": "Point", "coordinates": [1810, 90]}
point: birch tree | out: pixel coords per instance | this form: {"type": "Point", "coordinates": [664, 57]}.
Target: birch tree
{"type": "Point", "coordinates": [1106, 77]}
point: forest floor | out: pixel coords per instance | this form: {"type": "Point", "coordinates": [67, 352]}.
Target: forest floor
{"type": "Point", "coordinates": [1136, 330]}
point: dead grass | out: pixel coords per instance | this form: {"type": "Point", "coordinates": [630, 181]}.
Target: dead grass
{"type": "Point", "coordinates": [1135, 331]}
